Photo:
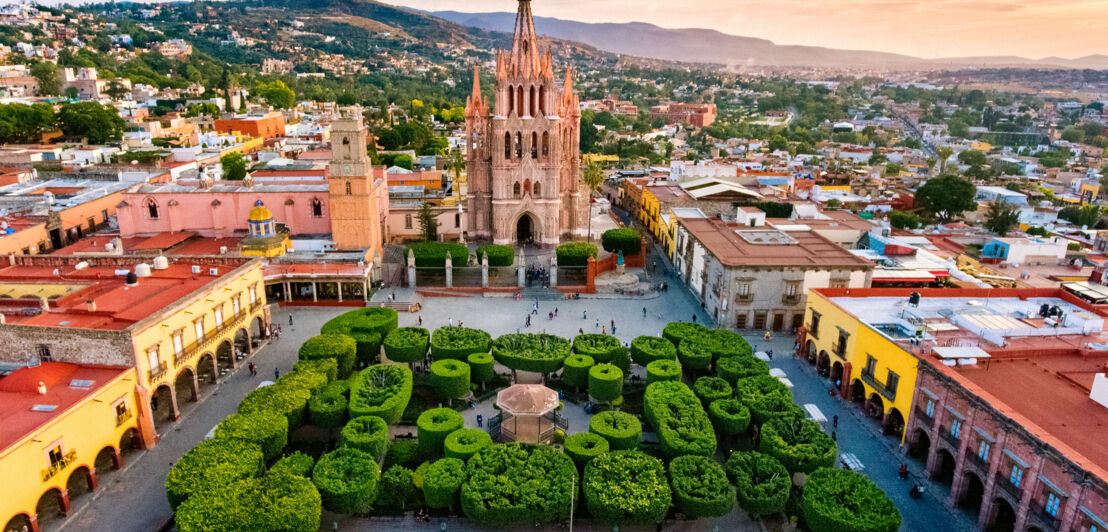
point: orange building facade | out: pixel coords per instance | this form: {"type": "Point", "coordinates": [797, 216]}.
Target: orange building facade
{"type": "Point", "coordinates": [268, 126]}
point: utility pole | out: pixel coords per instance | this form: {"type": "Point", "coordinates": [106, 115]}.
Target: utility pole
{"type": "Point", "coordinates": [572, 496]}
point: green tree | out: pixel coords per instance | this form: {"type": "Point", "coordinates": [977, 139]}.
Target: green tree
{"type": "Point", "coordinates": [277, 94]}
{"type": "Point", "coordinates": [71, 93]}
{"type": "Point", "coordinates": [428, 225]}
{"type": "Point", "coordinates": [904, 220]}
{"type": "Point", "coordinates": [973, 158]}
{"type": "Point", "coordinates": [593, 176]}
{"type": "Point", "coordinates": [944, 155]}
{"type": "Point", "coordinates": [1073, 134]}
{"type": "Point", "coordinates": [46, 74]}
{"type": "Point", "coordinates": [24, 123]}
{"type": "Point", "coordinates": [946, 197]}
{"type": "Point", "coordinates": [1001, 218]}
{"type": "Point", "coordinates": [116, 90]}
{"type": "Point", "coordinates": [234, 166]}
{"type": "Point", "coordinates": [100, 124]}
{"type": "Point", "coordinates": [455, 162]}
{"type": "Point", "coordinates": [1086, 216]}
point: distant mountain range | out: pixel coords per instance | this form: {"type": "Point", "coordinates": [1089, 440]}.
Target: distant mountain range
{"type": "Point", "coordinates": [711, 46]}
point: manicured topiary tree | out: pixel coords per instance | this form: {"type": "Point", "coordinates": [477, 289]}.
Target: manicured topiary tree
{"type": "Point", "coordinates": [620, 429]}
{"type": "Point", "coordinates": [433, 254]}
{"type": "Point", "coordinates": [336, 388]}
{"type": "Point", "coordinates": [443, 481]}
{"type": "Point", "coordinates": [540, 353]}
{"type": "Point", "coordinates": [340, 347]}
{"type": "Point", "coordinates": [626, 487]}
{"type": "Point", "coordinates": [407, 344]}
{"type": "Point", "coordinates": [663, 370]}
{"type": "Point", "coordinates": [311, 376]}
{"type": "Point", "coordinates": [574, 254]}
{"type": "Point", "coordinates": [434, 426]}
{"type": "Point", "coordinates": [396, 489]}
{"type": "Point", "coordinates": [647, 349]}
{"type": "Point", "coordinates": [709, 389]}
{"type": "Point", "coordinates": [327, 409]}
{"type": "Point", "coordinates": [732, 369]}
{"type": "Point", "coordinates": [254, 504]}
{"type": "Point", "coordinates": [459, 342]}
{"type": "Point", "coordinates": [723, 343]}
{"type": "Point", "coordinates": [729, 416]}
{"type": "Point", "coordinates": [798, 444]}
{"type": "Point", "coordinates": [383, 390]}
{"type": "Point", "coordinates": [765, 396]}
{"type": "Point", "coordinates": [327, 367]}
{"type": "Point", "coordinates": [838, 500]}
{"type": "Point", "coordinates": [450, 378]}
{"type": "Point", "coordinates": [287, 400]}
{"type": "Point", "coordinates": [762, 484]}
{"type": "Point", "coordinates": [585, 446]}
{"type": "Point", "coordinates": [500, 255]}
{"type": "Point", "coordinates": [605, 383]}
{"type": "Point", "coordinates": [367, 326]}
{"type": "Point", "coordinates": [700, 487]}
{"type": "Point", "coordinates": [517, 483]}
{"type": "Point", "coordinates": [369, 434]}
{"type": "Point", "coordinates": [296, 463]}
{"type": "Point", "coordinates": [694, 355]}
{"type": "Point", "coordinates": [679, 420]}
{"type": "Point", "coordinates": [625, 239]}
{"type": "Point", "coordinates": [347, 480]}
{"type": "Point", "coordinates": [679, 330]}
{"type": "Point", "coordinates": [482, 368]}
{"type": "Point", "coordinates": [463, 443]}
{"type": "Point", "coordinates": [603, 348]}
{"type": "Point", "coordinates": [269, 430]}
{"type": "Point", "coordinates": [575, 371]}
{"type": "Point", "coordinates": [212, 465]}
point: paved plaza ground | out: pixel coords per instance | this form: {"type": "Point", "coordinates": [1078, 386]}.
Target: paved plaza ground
{"type": "Point", "coordinates": [134, 499]}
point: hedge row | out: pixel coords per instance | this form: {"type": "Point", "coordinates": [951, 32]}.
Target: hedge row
{"type": "Point", "coordinates": [732, 369]}
{"type": "Point", "coordinates": [575, 253]}
{"type": "Point", "coordinates": [647, 349]}
{"type": "Point", "coordinates": [679, 330]}
{"type": "Point", "coordinates": [663, 370]}
{"type": "Point", "coordinates": [679, 420]}
{"type": "Point", "coordinates": [327, 367]}
{"type": "Point", "coordinates": [285, 398]}
{"type": "Point", "coordinates": [459, 342]}
{"type": "Point", "coordinates": [709, 389]}
{"type": "Point", "coordinates": [450, 378]}
{"type": "Point", "coordinates": [296, 463]}
{"type": "Point", "coordinates": [766, 397]}
{"type": "Point", "coordinates": [799, 444]}
{"type": "Point", "coordinates": [540, 353]}
{"type": "Point", "coordinates": [621, 430]}
{"type": "Point", "coordinates": [382, 390]}
{"type": "Point", "coordinates": [694, 355]}
{"type": "Point", "coordinates": [464, 443]}
{"type": "Point", "coordinates": [762, 484]}
{"type": "Point", "coordinates": [585, 446]}
{"type": "Point", "coordinates": [433, 254]}
{"type": "Point", "coordinates": [518, 483]}
{"type": "Point", "coordinates": [625, 239]}
{"type": "Point", "coordinates": [340, 347]}
{"type": "Point", "coordinates": [367, 326]}
{"type": "Point", "coordinates": [347, 480]}
{"type": "Point", "coordinates": [605, 383]}
{"type": "Point", "coordinates": [254, 504]}
{"type": "Point", "coordinates": [500, 255]}
{"type": "Point", "coordinates": [700, 487]}
{"type": "Point", "coordinates": [837, 500]}
{"type": "Point", "coordinates": [626, 487]}
{"type": "Point", "coordinates": [212, 466]}
{"type": "Point", "coordinates": [603, 348]}
{"type": "Point", "coordinates": [407, 344]}
{"type": "Point", "coordinates": [268, 430]}
{"type": "Point", "coordinates": [434, 425]}
{"type": "Point", "coordinates": [327, 408]}
{"type": "Point", "coordinates": [443, 481]}
{"type": "Point", "coordinates": [369, 434]}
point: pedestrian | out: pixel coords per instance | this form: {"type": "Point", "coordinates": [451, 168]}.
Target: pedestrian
{"type": "Point", "coordinates": [550, 315]}
{"type": "Point", "coordinates": [420, 320]}
{"type": "Point", "coordinates": [604, 330]}
{"type": "Point", "coordinates": [535, 309]}
{"type": "Point", "coordinates": [769, 354]}
{"type": "Point", "coordinates": [450, 322]}
{"type": "Point", "coordinates": [644, 312]}
{"type": "Point", "coordinates": [835, 437]}
{"type": "Point", "coordinates": [276, 373]}
{"type": "Point", "coordinates": [835, 421]}
{"type": "Point", "coordinates": [253, 370]}
{"type": "Point", "coordinates": [527, 322]}
{"type": "Point", "coordinates": [613, 325]}
{"type": "Point", "coordinates": [585, 314]}
{"type": "Point", "coordinates": [767, 336]}
{"type": "Point", "coordinates": [392, 296]}
{"type": "Point", "coordinates": [694, 318]}
{"type": "Point", "coordinates": [580, 331]}
{"type": "Point", "coordinates": [598, 323]}
{"type": "Point", "coordinates": [555, 312]}
{"type": "Point", "coordinates": [290, 320]}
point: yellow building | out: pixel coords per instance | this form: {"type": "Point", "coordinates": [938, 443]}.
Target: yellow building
{"type": "Point", "coordinates": [62, 427]}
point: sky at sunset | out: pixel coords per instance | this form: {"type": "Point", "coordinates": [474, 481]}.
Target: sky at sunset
{"type": "Point", "coordinates": [924, 28]}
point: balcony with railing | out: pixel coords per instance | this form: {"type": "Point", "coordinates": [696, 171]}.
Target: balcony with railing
{"type": "Point", "coordinates": [60, 465]}
{"type": "Point", "coordinates": [840, 349]}
{"type": "Point", "coordinates": [1003, 483]}
{"type": "Point", "coordinates": [923, 417]}
{"type": "Point", "coordinates": [879, 387]}
{"type": "Point", "coordinates": [211, 336]}
{"type": "Point", "coordinates": [953, 440]}
{"type": "Point", "coordinates": [790, 299]}
{"type": "Point", "coordinates": [122, 417]}
{"type": "Point", "coordinates": [1038, 516]}
{"type": "Point", "coordinates": [157, 372]}
{"type": "Point", "coordinates": [975, 461]}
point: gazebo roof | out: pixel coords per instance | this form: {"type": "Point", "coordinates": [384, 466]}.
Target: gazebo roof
{"type": "Point", "coordinates": [527, 399]}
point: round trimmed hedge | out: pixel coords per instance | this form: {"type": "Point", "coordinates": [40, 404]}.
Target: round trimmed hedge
{"type": "Point", "coordinates": [762, 484]}
{"type": "Point", "coordinates": [709, 389]}
{"type": "Point", "coordinates": [733, 369]}
{"type": "Point", "coordinates": [700, 487]}
{"type": "Point", "coordinates": [267, 429]}
{"type": "Point", "coordinates": [605, 383]}
{"type": "Point", "coordinates": [647, 349]}
{"type": "Point", "coordinates": [382, 390]}
{"type": "Point", "coordinates": [518, 483]}
{"type": "Point", "coordinates": [450, 378]}
{"type": "Point", "coordinates": [663, 370]}
{"type": "Point", "coordinates": [625, 239]}
{"type": "Point", "coordinates": [723, 343]}
{"type": "Point", "coordinates": [540, 353]}
{"type": "Point", "coordinates": [573, 254]}
{"type": "Point", "coordinates": [603, 348]}
{"type": "Point", "coordinates": [620, 429]}
{"type": "Point", "coordinates": [309, 376]}
{"type": "Point", "coordinates": [677, 331]}
{"type": "Point", "coordinates": [407, 344]}
{"type": "Point", "coordinates": [434, 426]}
{"type": "Point", "coordinates": [575, 370]}
{"type": "Point", "coordinates": [585, 446]}
{"type": "Point", "coordinates": [336, 388]}
{"type": "Point", "coordinates": [626, 487]}
{"type": "Point", "coordinates": [443, 481]}
{"type": "Point", "coordinates": [297, 463]}
{"type": "Point", "coordinates": [729, 416]}
{"type": "Point", "coordinates": [838, 500]}
{"type": "Point", "coordinates": [766, 397]}
{"type": "Point", "coordinates": [254, 504]}
{"type": "Point", "coordinates": [327, 409]}
{"type": "Point", "coordinates": [694, 355]}
{"type": "Point", "coordinates": [367, 326]}
{"type": "Point", "coordinates": [340, 347]}
{"type": "Point", "coordinates": [288, 400]}
{"type": "Point", "coordinates": [459, 342]}
{"type": "Point", "coordinates": [482, 367]}
{"type": "Point", "coordinates": [464, 443]}
{"type": "Point", "coordinates": [347, 480]}
{"type": "Point", "coordinates": [396, 489]}
{"type": "Point", "coordinates": [327, 367]}
{"type": "Point", "coordinates": [369, 434]}
{"type": "Point", "coordinates": [500, 255]}
{"type": "Point", "coordinates": [212, 465]}
{"type": "Point", "coordinates": [799, 444]}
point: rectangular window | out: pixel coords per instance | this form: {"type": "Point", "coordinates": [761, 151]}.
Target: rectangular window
{"type": "Point", "coordinates": [178, 343]}
{"type": "Point", "coordinates": [407, 221]}
{"type": "Point", "coordinates": [1052, 503]}
{"type": "Point", "coordinates": [791, 288]}
{"type": "Point", "coordinates": [457, 220]}
{"type": "Point", "coordinates": [120, 409]}
{"type": "Point", "coordinates": [871, 365]}
{"type": "Point", "coordinates": [253, 295]}
{"type": "Point", "coordinates": [199, 325]}
{"type": "Point", "coordinates": [840, 283]}
{"type": "Point", "coordinates": [891, 382]}
{"type": "Point", "coordinates": [930, 409]}
{"type": "Point", "coordinates": [744, 290]}
{"type": "Point", "coordinates": [1017, 475]}
{"type": "Point", "coordinates": [983, 451]}
{"type": "Point", "coordinates": [56, 455]}
{"type": "Point", "coordinates": [955, 427]}
{"type": "Point", "coordinates": [815, 324]}
{"type": "Point", "coordinates": [152, 358]}
{"type": "Point", "coordinates": [104, 215]}
{"type": "Point", "coordinates": [236, 305]}
{"type": "Point", "coordinates": [218, 311]}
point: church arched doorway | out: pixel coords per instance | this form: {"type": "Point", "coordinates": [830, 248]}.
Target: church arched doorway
{"type": "Point", "coordinates": [525, 230]}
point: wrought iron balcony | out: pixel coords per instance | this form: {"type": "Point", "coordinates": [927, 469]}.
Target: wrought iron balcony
{"type": "Point", "coordinates": [953, 440]}
{"type": "Point", "coordinates": [790, 299]}
{"type": "Point", "coordinates": [878, 386]}
{"type": "Point", "coordinates": [921, 415]}
{"type": "Point", "coordinates": [157, 372]}
{"type": "Point", "coordinates": [122, 417]}
{"type": "Point", "coordinates": [1038, 516]}
{"type": "Point", "coordinates": [977, 462]}
{"type": "Point", "coordinates": [1005, 484]}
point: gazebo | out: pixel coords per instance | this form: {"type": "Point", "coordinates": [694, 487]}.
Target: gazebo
{"type": "Point", "coordinates": [529, 413]}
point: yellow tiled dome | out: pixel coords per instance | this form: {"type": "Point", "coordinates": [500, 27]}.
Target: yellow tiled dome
{"type": "Point", "coordinates": [260, 213]}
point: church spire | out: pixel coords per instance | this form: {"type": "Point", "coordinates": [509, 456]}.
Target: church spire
{"type": "Point", "coordinates": [525, 44]}
{"type": "Point", "coordinates": [475, 103]}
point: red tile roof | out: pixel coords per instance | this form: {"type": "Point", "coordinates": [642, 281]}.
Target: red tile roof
{"type": "Point", "coordinates": [810, 249]}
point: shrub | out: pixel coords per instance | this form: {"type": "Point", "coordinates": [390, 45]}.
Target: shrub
{"type": "Point", "coordinates": [382, 390]}
{"type": "Point", "coordinates": [518, 483]}
{"type": "Point", "coordinates": [765, 396]}
{"type": "Point", "coordinates": [626, 487]}
{"type": "Point", "coordinates": [407, 344]}
{"type": "Point", "coordinates": [287, 400]}
{"type": "Point", "coordinates": [540, 353]}
{"type": "Point", "coordinates": [709, 389]}
{"type": "Point", "coordinates": [212, 465]}
{"type": "Point", "coordinates": [459, 342]}
{"type": "Point", "coordinates": [396, 488]}
{"type": "Point", "coordinates": [846, 501]}
{"type": "Point", "coordinates": [340, 347]}
{"type": "Point", "coordinates": [347, 480]}
{"type": "Point", "coordinates": [405, 452]}
{"type": "Point", "coordinates": [420, 472]}
{"type": "Point", "coordinates": [679, 330]}
{"type": "Point", "coordinates": [336, 388]}
{"type": "Point", "coordinates": [369, 434]}
{"type": "Point", "coordinates": [694, 355]}
{"type": "Point", "coordinates": [723, 343]}
{"type": "Point", "coordinates": [443, 481]}
{"type": "Point", "coordinates": [450, 378]}
{"type": "Point", "coordinates": [585, 446]}
{"type": "Point", "coordinates": [733, 369]}
{"type": "Point", "coordinates": [663, 370]}
{"type": "Point", "coordinates": [297, 463]}
{"type": "Point", "coordinates": [647, 349]}
{"type": "Point", "coordinates": [327, 409]}
{"type": "Point", "coordinates": [679, 420]}
{"type": "Point", "coordinates": [573, 254]}
{"type": "Point", "coordinates": [729, 416]}
{"type": "Point", "coordinates": [433, 254]}
{"type": "Point", "coordinates": [575, 371]}
{"type": "Point", "coordinates": [601, 347]}
{"type": "Point", "coordinates": [499, 255]}
{"type": "Point", "coordinates": [620, 429]}
{"type": "Point", "coordinates": [625, 239]}
{"type": "Point", "coordinates": [605, 383]}
{"type": "Point", "coordinates": [464, 443]}
{"type": "Point", "coordinates": [482, 367]}
{"type": "Point", "coordinates": [798, 444]}
{"type": "Point", "coordinates": [254, 504]}
{"type": "Point", "coordinates": [434, 426]}
{"type": "Point", "coordinates": [327, 367]}
{"type": "Point", "coordinates": [700, 487]}
{"type": "Point", "coordinates": [310, 377]}
{"type": "Point", "coordinates": [268, 430]}
{"type": "Point", "coordinates": [367, 326]}
{"type": "Point", "coordinates": [762, 484]}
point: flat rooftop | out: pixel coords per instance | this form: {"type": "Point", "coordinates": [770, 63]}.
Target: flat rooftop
{"type": "Point", "coordinates": [740, 245]}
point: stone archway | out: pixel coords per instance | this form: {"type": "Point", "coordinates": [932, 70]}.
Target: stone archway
{"type": "Point", "coordinates": [812, 352]}
{"type": "Point", "coordinates": [874, 407]}
{"type": "Point", "coordinates": [163, 405]}
{"type": "Point", "coordinates": [893, 424]}
{"type": "Point", "coordinates": [207, 372]}
{"type": "Point", "coordinates": [944, 470]}
{"type": "Point", "coordinates": [1003, 518]}
{"type": "Point", "coordinates": [107, 460]}
{"type": "Point", "coordinates": [242, 342]}
{"type": "Point", "coordinates": [19, 523]}
{"type": "Point", "coordinates": [857, 391]}
{"type": "Point", "coordinates": [258, 330]}
{"type": "Point", "coordinates": [81, 481]}
{"type": "Point", "coordinates": [51, 507]}
{"type": "Point", "coordinates": [225, 356]}
{"type": "Point", "coordinates": [527, 229]}
{"type": "Point", "coordinates": [837, 373]}
{"type": "Point", "coordinates": [973, 491]}
{"type": "Point", "coordinates": [920, 446]}
{"type": "Point", "coordinates": [186, 385]}
{"type": "Point", "coordinates": [823, 364]}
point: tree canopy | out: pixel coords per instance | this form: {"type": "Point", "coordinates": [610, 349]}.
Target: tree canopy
{"type": "Point", "coordinates": [946, 197]}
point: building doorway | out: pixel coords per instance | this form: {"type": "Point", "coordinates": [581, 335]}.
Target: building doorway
{"type": "Point", "coordinates": [525, 231]}
{"type": "Point", "coordinates": [778, 322]}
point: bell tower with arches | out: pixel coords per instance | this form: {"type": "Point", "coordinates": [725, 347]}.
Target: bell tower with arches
{"type": "Point", "coordinates": [355, 210]}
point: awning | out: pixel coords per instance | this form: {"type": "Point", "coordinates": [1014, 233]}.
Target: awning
{"type": "Point", "coordinates": [960, 352]}
{"type": "Point", "coordinates": [902, 276]}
